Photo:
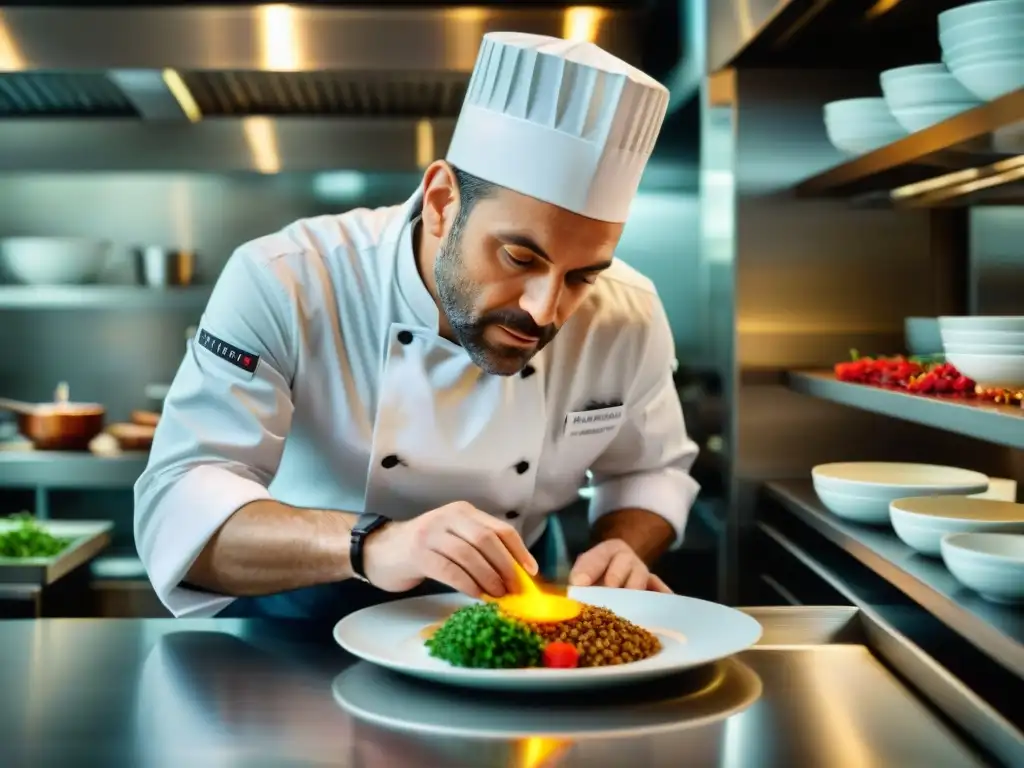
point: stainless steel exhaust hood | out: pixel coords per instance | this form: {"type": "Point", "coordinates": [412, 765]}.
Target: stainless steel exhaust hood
{"type": "Point", "coordinates": [255, 87]}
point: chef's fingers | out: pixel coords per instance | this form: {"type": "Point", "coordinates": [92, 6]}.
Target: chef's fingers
{"type": "Point", "coordinates": [655, 584]}
{"type": "Point", "coordinates": [639, 577]}
{"type": "Point", "coordinates": [512, 542]}
{"type": "Point", "coordinates": [474, 559]}
{"type": "Point", "coordinates": [438, 567]}
{"type": "Point", "coordinates": [620, 568]}
{"type": "Point", "coordinates": [591, 565]}
{"type": "Point", "coordinates": [490, 549]}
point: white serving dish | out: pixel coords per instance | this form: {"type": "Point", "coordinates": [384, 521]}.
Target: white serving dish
{"type": "Point", "coordinates": [983, 349]}
{"type": "Point", "coordinates": [861, 109]}
{"type": "Point", "coordinates": [986, 9]}
{"type": "Point", "coordinates": [978, 323]}
{"type": "Point", "coordinates": [862, 144]}
{"type": "Point", "coordinates": [993, 338]}
{"type": "Point", "coordinates": [999, 489]}
{"type": "Point", "coordinates": [53, 260]}
{"type": "Point", "coordinates": [921, 86]}
{"type": "Point", "coordinates": [990, 79]}
{"type": "Point", "coordinates": [1002, 25]}
{"type": "Point", "coordinates": [990, 370]}
{"type": "Point", "coordinates": [1008, 46]}
{"type": "Point", "coordinates": [918, 118]}
{"type": "Point", "coordinates": [992, 564]}
{"type": "Point", "coordinates": [922, 522]}
{"type": "Point", "coordinates": [863, 491]}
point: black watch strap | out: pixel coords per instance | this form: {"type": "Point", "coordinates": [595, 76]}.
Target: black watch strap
{"type": "Point", "coordinates": [365, 525]}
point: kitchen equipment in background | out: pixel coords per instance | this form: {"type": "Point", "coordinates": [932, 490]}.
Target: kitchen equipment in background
{"type": "Point", "coordinates": [922, 522]}
{"type": "Point", "coordinates": [159, 267]}
{"type": "Point", "coordinates": [863, 491]}
{"type": "Point", "coordinates": [983, 46]}
{"type": "Point", "coordinates": [989, 350]}
{"type": "Point", "coordinates": [132, 437]}
{"type": "Point", "coordinates": [60, 425]}
{"type": "Point", "coordinates": [924, 94]}
{"type": "Point", "coordinates": [992, 564]}
{"type": "Point", "coordinates": [856, 126]}
{"type": "Point", "coordinates": [921, 336]}
{"type": "Point", "coordinates": [53, 260]}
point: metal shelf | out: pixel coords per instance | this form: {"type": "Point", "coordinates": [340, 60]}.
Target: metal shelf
{"type": "Point", "coordinates": [128, 297]}
{"type": "Point", "coordinates": [80, 471]}
{"type": "Point", "coordinates": [965, 141]}
{"type": "Point", "coordinates": [1001, 424]}
{"type": "Point", "coordinates": [996, 630]}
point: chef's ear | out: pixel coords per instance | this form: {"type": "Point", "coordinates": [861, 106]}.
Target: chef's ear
{"type": "Point", "coordinates": [440, 199]}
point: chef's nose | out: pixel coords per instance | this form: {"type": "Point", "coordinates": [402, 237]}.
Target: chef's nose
{"type": "Point", "coordinates": [541, 299]}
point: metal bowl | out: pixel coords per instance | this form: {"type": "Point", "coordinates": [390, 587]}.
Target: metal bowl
{"type": "Point", "coordinates": [160, 267]}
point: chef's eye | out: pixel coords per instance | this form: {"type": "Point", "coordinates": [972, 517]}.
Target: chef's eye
{"type": "Point", "coordinates": [517, 262]}
{"type": "Point", "coordinates": [585, 279]}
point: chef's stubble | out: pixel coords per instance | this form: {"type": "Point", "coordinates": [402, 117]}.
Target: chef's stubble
{"type": "Point", "coordinates": [457, 296]}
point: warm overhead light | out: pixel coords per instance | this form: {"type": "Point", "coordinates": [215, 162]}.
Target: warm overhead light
{"type": "Point", "coordinates": [179, 90]}
{"type": "Point", "coordinates": [278, 39]}
{"type": "Point", "coordinates": [880, 8]}
{"type": "Point", "coordinates": [11, 59]}
{"type": "Point", "coordinates": [959, 183]}
{"type": "Point", "coordinates": [582, 23]}
{"type": "Point", "coordinates": [262, 140]}
{"type": "Point", "coordinates": [426, 152]}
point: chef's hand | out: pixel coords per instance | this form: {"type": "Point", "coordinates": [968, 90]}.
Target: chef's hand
{"type": "Point", "coordinates": [613, 563]}
{"type": "Point", "coordinates": [457, 545]}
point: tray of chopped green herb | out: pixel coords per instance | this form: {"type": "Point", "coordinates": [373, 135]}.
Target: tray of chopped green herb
{"type": "Point", "coordinates": [42, 551]}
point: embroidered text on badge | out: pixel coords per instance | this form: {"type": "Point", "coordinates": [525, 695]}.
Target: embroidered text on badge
{"type": "Point", "coordinates": [247, 361]}
{"type": "Point", "coordinates": [596, 422]}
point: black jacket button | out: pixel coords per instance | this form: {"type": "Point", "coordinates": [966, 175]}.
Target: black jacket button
{"type": "Point", "coordinates": [528, 371]}
{"type": "Point", "coordinates": [405, 337]}
{"type": "Point", "coordinates": [511, 515]}
{"type": "Point", "coordinates": [390, 462]}
{"type": "Point", "coordinates": [522, 466]}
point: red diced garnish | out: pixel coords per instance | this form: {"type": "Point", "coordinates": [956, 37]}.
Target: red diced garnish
{"type": "Point", "coordinates": [561, 656]}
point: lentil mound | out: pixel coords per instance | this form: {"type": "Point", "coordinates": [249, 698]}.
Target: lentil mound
{"type": "Point", "coordinates": [602, 637]}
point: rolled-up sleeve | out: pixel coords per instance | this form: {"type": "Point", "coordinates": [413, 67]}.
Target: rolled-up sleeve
{"type": "Point", "coordinates": [222, 431]}
{"type": "Point", "coordinates": [647, 464]}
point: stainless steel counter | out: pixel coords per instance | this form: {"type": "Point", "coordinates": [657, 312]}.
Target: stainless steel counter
{"type": "Point", "coordinates": [153, 693]}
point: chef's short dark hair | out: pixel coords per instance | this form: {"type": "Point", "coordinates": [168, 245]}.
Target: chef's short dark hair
{"type": "Point", "coordinates": [472, 189]}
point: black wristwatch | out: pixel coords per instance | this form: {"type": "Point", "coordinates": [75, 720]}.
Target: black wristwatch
{"type": "Point", "coordinates": [365, 525]}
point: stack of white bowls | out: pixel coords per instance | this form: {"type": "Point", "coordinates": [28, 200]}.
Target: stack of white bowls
{"type": "Point", "coordinates": [857, 126]}
{"type": "Point", "coordinates": [989, 350]}
{"type": "Point", "coordinates": [924, 94]}
{"type": "Point", "coordinates": [862, 491]}
{"type": "Point", "coordinates": [983, 46]}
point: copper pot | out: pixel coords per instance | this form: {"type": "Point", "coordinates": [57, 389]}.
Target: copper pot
{"type": "Point", "coordinates": [60, 425]}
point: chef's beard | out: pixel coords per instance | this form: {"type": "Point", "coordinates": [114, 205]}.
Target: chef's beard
{"type": "Point", "coordinates": [457, 295]}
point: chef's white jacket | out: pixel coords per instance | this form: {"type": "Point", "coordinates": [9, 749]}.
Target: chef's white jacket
{"type": "Point", "coordinates": [317, 377]}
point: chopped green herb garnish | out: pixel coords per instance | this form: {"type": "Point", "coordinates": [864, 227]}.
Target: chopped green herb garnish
{"type": "Point", "coordinates": [29, 539]}
{"type": "Point", "coordinates": [481, 636]}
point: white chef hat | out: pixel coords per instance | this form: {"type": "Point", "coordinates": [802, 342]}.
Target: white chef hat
{"type": "Point", "coordinates": [564, 122]}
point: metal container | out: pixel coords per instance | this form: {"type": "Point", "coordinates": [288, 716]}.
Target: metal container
{"type": "Point", "coordinates": [160, 267]}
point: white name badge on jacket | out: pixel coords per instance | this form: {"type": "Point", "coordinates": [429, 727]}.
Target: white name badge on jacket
{"type": "Point", "coordinates": [600, 421]}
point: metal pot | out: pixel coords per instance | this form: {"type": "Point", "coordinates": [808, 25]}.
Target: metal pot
{"type": "Point", "coordinates": [160, 267]}
{"type": "Point", "coordinates": [60, 425]}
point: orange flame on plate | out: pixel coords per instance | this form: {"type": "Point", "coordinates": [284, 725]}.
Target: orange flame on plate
{"type": "Point", "coordinates": [532, 603]}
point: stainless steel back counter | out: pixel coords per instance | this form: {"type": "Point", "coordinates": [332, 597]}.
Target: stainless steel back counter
{"type": "Point", "coordinates": [154, 693]}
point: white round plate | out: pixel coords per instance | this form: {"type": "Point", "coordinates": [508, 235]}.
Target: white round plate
{"type": "Point", "coordinates": [692, 632]}
{"type": "Point", "coordinates": [715, 692]}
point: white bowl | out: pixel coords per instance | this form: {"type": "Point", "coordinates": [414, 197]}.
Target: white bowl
{"type": "Point", "coordinates": [986, 323]}
{"type": "Point", "coordinates": [922, 85]}
{"type": "Point", "coordinates": [53, 260]}
{"type": "Point", "coordinates": [864, 108]}
{"type": "Point", "coordinates": [921, 522]}
{"type": "Point", "coordinates": [993, 338]}
{"type": "Point", "coordinates": [964, 14]}
{"type": "Point", "coordinates": [860, 144]}
{"type": "Point", "coordinates": [897, 480]}
{"type": "Point", "coordinates": [990, 79]}
{"type": "Point", "coordinates": [919, 118]}
{"type": "Point", "coordinates": [858, 509]}
{"type": "Point", "coordinates": [983, 349]}
{"type": "Point", "coordinates": [999, 489]}
{"type": "Point", "coordinates": [992, 564]}
{"type": "Point", "coordinates": [1006, 46]}
{"type": "Point", "coordinates": [990, 370]}
{"type": "Point", "coordinates": [1003, 25]}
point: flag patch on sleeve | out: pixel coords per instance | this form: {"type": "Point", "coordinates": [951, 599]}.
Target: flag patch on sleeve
{"type": "Point", "coordinates": [239, 358]}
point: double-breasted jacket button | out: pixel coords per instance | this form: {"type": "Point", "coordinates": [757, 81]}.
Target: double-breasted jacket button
{"type": "Point", "coordinates": [405, 337]}
{"type": "Point", "coordinates": [512, 515]}
{"type": "Point", "coordinates": [522, 467]}
{"type": "Point", "coordinates": [528, 371]}
{"type": "Point", "coordinates": [390, 461]}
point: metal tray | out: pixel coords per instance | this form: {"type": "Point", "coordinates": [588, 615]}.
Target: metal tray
{"type": "Point", "coordinates": [90, 538]}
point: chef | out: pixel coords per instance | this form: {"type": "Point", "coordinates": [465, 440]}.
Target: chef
{"type": "Point", "coordinates": [384, 401]}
